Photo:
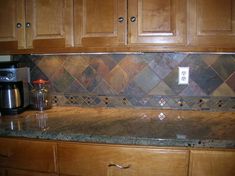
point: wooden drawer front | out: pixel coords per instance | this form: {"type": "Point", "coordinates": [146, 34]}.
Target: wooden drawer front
{"type": "Point", "coordinates": [2, 172]}
{"type": "Point", "coordinates": [15, 172]}
{"type": "Point", "coordinates": [29, 155]}
{"type": "Point", "coordinates": [212, 163]}
{"type": "Point", "coordinates": [93, 160]}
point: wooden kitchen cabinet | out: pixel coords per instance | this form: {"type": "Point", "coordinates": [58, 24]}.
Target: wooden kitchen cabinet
{"type": "Point", "coordinates": [157, 22]}
{"type": "Point", "coordinates": [35, 24]}
{"type": "Point", "coordinates": [110, 160]}
{"type": "Point", "coordinates": [28, 155]}
{"type": "Point", "coordinates": [49, 23]}
{"type": "Point", "coordinates": [100, 23]}
{"type": "Point", "coordinates": [17, 172]}
{"type": "Point", "coordinates": [12, 19]}
{"type": "Point", "coordinates": [212, 163]}
{"type": "Point", "coordinates": [211, 23]}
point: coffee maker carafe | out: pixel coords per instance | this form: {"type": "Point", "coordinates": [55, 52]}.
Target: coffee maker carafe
{"type": "Point", "coordinates": [14, 88]}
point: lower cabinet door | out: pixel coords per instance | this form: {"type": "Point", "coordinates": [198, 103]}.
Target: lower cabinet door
{"type": "Point", "coordinates": [2, 172]}
{"type": "Point", "coordinates": [16, 172]}
{"type": "Point", "coordinates": [28, 155]}
{"type": "Point", "coordinates": [212, 163]}
{"type": "Point", "coordinates": [112, 160]}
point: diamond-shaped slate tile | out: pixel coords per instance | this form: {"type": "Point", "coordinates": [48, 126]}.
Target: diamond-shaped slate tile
{"type": "Point", "coordinates": [146, 79]}
{"type": "Point", "coordinates": [89, 79]}
{"type": "Point", "coordinates": [192, 90]}
{"type": "Point", "coordinates": [210, 59]}
{"type": "Point", "coordinates": [231, 82]}
{"type": "Point", "coordinates": [224, 66]}
{"type": "Point", "coordinates": [36, 74]}
{"type": "Point", "coordinates": [132, 90]}
{"type": "Point", "coordinates": [62, 80]}
{"type": "Point", "coordinates": [103, 64]}
{"type": "Point", "coordinates": [75, 65]}
{"type": "Point", "coordinates": [161, 89]}
{"type": "Point", "coordinates": [48, 65]}
{"type": "Point", "coordinates": [104, 89]}
{"type": "Point", "coordinates": [207, 79]}
{"type": "Point", "coordinates": [132, 65]}
{"type": "Point", "coordinates": [172, 81]}
{"type": "Point", "coordinates": [117, 79]}
{"type": "Point", "coordinates": [76, 88]}
{"type": "Point", "coordinates": [224, 90]}
{"type": "Point", "coordinates": [160, 66]}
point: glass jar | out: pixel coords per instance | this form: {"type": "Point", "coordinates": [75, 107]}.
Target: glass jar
{"type": "Point", "coordinates": [40, 95]}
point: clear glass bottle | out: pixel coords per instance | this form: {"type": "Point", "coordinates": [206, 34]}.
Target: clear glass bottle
{"type": "Point", "coordinates": [40, 95]}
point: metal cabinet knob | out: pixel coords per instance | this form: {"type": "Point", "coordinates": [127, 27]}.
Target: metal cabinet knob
{"type": "Point", "coordinates": [133, 19]}
{"type": "Point", "coordinates": [27, 24]}
{"type": "Point", "coordinates": [120, 19]}
{"type": "Point", "coordinates": [18, 25]}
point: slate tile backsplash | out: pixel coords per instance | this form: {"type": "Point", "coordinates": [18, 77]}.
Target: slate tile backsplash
{"type": "Point", "coordinates": [137, 80]}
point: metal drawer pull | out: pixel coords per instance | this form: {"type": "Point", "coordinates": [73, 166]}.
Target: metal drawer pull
{"type": "Point", "coordinates": [119, 166]}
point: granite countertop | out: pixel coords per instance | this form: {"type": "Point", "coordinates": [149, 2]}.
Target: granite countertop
{"type": "Point", "coordinates": [125, 126]}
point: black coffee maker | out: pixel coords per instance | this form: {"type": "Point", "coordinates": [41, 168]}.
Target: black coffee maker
{"type": "Point", "coordinates": [14, 88]}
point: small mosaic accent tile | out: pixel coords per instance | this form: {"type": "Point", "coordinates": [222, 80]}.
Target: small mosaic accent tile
{"type": "Point", "coordinates": [159, 102]}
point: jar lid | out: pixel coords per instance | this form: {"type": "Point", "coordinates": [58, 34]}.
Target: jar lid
{"type": "Point", "coordinates": [40, 81]}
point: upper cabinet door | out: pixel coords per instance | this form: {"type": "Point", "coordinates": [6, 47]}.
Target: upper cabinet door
{"type": "Point", "coordinates": [212, 22]}
{"type": "Point", "coordinates": [157, 22]}
{"type": "Point", "coordinates": [99, 22]}
{"type": "Point", "coordinates": [49, 23]}
{"type": "Point", "coordinates": [12, 33]}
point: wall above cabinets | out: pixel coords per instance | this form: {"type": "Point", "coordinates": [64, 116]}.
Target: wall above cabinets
{"type": "Point", "coordinates": [57, 26]}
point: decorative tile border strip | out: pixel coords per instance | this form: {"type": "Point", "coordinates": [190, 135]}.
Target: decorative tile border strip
{"type": "Point", "coordinates": [160, 102]}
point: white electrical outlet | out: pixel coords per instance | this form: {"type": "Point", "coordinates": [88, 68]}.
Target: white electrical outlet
{"type": "Point", "coordinates": [183, 75]}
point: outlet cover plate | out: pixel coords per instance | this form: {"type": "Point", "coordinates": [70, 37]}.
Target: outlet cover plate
{"type": "Point", "coordinates": [183, 77]}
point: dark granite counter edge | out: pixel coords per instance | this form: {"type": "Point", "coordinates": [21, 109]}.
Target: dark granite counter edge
{"type": "Point", "coordinates": [120, 139]}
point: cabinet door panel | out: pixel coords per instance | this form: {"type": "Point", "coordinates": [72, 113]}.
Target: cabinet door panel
{"type": "Point", "coordinates": [2, 172]}
{"type": "Point", "coordinates": [96, 22]}
{"type": "Point", "coordinates": [11, 13]}
{"type": "Point", "coordinates": [94, 160]}
{"type": "Point", "coordinates": [212, 163]}
{"type": "Point", "coordinates": [157, 22]}
{"type": "Point", "coordinates": [29, 155]}
{"type": "Point", "coordinates": [16, 172]}
{"type": "Point", "coordinates": [50, 23]}
{"type": "Point", "coordinates": [211, 22]}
